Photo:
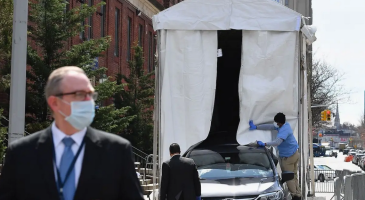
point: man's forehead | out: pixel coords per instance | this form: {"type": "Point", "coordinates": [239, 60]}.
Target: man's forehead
{"type": "Point", "coordinates": [76, 82]}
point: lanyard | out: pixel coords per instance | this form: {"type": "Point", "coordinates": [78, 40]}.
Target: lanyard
{"type": "Point", "coordinates": [61, 183]}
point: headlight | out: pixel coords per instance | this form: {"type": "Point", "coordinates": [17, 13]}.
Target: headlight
{"type": "Point", "coordinates": [279, 195]}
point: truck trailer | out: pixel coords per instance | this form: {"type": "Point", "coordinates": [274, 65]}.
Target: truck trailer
{"type": "Point", "coordinates": [222, 63]}
{"type": "Point", "coordinates": [341, 146]}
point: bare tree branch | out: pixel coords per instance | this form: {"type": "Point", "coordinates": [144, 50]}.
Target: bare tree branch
{"type": "Point", "coordinates": [326, 89]}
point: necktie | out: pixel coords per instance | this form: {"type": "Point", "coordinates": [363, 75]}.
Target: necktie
{"type": "Point", "coordinates": [66, 159]}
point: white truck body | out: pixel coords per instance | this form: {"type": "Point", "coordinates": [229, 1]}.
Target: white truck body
{"type": "Point", "coordinates": [272, 77]}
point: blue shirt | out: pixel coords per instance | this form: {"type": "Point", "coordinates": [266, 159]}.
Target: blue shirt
{"type": "Point", "coordinates": [289, 145]}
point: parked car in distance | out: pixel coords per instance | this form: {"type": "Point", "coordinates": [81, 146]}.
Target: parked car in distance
{"type": "Point", "coordinates": [362, 163]}
{"type": "Point", "coordinates": [359, 159]}
{"type": "Point", "coordinates": [323, 173]}
{"type": "Point", "coordinates": [329, 153]}
{"type": "Point", "coordinates": [346, 151]}
{"type": "Point", "coordinates": [356, 158]}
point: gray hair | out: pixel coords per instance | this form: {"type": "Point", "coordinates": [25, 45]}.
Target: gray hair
{"type": "Point", "coordinates": [53, 86]}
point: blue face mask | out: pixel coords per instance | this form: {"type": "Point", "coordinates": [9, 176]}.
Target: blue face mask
{"type": "Point", "coordinates": [82, 113]}
{"type": "Point", "coordinates": [276, 125]}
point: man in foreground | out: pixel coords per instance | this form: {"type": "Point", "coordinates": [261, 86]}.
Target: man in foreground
{"type": "Point", "coordinates": [288, 149]}
{"type": "Point", "coordinates": [70, 160]}
{"type": "Point", "coordinates": [180, 179]}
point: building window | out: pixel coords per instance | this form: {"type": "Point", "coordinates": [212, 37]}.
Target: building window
{"type": "Point", "coordinates": [67, 6]}
{"type": "Point", "coordinates": [90, 21]}
{"type": "Point", "coordinates": [103, 17]}
{"type": "Point", "coordinates": [82, 36]}
{"type": "Point", "coordinates": [150, 52]}
{"type": "Point", "coordinates": [286, 2]}
{"type": "Point", "coordinates": [140, 35]}
{"type": "Point", "coordinates": [116, 36]}
{"type": "Point", "coordinates": [129, 39]}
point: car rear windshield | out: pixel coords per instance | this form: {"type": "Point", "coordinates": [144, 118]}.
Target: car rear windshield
{"type": "Point", "coordinates": [323, 167]}
{"type": "Point", "coordinates": [214, 165]}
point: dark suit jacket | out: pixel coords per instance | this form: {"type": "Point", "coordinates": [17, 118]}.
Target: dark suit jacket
{"type": "Point", "coordinates": [107, 170]}
{"type": "Point", "coordinates": [180, 179]}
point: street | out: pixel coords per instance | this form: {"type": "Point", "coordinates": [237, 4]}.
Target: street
{"type": "Point", "coordinates": [336, 164]}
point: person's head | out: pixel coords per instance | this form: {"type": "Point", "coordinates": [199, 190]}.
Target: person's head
{"type": "Point", "coordinates": [280, 119]}
{"type": "Point", "coordinates": [70, 95]}
{"type": "Point", "coordinates": [174, 149]}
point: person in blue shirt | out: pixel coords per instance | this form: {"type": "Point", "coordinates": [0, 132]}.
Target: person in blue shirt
{"type": "Point", "coordinates": [288, 149]}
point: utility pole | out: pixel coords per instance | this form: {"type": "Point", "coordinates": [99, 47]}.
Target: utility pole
{"type": "Point", "coordinates": [18, 71]}
{"type": "Point", "coordinates": [310, 121]}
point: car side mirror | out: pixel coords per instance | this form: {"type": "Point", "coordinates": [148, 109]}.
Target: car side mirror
{"type": "Point", "coordinates": [287, 176]}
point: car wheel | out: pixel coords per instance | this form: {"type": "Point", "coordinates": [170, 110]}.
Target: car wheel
{"type": "Point", "coordinates": [321, 177]}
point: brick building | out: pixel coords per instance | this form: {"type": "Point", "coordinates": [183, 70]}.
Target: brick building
{"type": "Point", "coordinates": [127, 22]}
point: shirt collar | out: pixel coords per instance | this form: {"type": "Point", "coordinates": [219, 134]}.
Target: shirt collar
{"type": "Point", "coordinates": [176, 155]}
{"type": "Point", "coordinates": [58, 135]}
{"type": "Point", "coordinates": [285, 124]}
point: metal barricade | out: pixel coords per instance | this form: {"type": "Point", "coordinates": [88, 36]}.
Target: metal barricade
{"type": "Point", "coordinates": [339, 185]}
{"type": "Point", "coordinates": [344, 184]}
{"type": "Point", "coordinates": [347, 187]}
{"type": "Point", "coordinates": [358, 186]}
{"type": "Point", "coordinates": [338, 188]}
{"type": "Point", "coordinates": [324, 181]}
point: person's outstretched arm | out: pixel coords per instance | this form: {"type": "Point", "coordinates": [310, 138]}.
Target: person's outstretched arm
{"type": "Point", "coordinates": [275, 142]}
{"type": "Point", "coordinates": [261, 126]}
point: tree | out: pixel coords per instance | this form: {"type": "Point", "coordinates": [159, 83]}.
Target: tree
{"type": "Point", "coordinates": [348, 125]}
{"type": "Point", "coordinates": [3, 142]}
{"type": "Point", "coordinates": [139, 96]}
{"type": "Point", "coordinates": [326, 88]}
{"type": "Point", "coordinates": [108, 118]}
{"type": "Point", "coordinates": [6, 29]}
{"type": "Point", "coordinates": [4, 82]}
{"type": "Point", "coordinates": [52, 26]}
{"type": "Point", "coordinates": [361, 126]}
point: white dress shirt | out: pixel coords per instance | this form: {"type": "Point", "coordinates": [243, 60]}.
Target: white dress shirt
{"type": "Point", "coordinates": [58, 136]}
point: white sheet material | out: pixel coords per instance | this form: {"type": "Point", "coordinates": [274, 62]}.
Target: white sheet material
{"type": "Point", "coordinates": [228, 14]}
{"type": "Point", "coordinates": [189, 70]}
{"type": "Point", "coordinates": [268, 81]}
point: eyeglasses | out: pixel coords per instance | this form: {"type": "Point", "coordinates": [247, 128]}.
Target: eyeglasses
{"type": "Point", "coordinates": [80, 95]}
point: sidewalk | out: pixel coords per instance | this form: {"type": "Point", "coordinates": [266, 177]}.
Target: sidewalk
{"type": "Point", "coordinates": [327, 196]}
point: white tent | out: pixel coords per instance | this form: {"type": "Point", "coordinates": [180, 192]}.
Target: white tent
{"type": "Point", "coordinates": [270, 79]}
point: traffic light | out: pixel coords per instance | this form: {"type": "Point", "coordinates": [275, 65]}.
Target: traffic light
{"type": "Point", "coordinates": [323, 116]}
{"type": "Point", "coordinates": [328, 113]}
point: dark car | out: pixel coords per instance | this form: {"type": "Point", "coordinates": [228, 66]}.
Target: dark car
{"type": "Point", "coordinates": [345, 151]}
{"type": "Point", "coordinates": [238, 172]}
{"type": "Point", "coordinates": [348, 150]}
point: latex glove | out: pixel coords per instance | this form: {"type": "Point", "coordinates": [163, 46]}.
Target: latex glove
{"type": "Point", "coordinates": [252, 125]}
{"type": "Point", "coordinates": [261, 144]}
{"type": "Point", "coordinates": [198, 198]}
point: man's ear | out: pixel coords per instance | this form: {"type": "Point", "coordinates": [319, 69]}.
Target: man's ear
{"type": "Point", "coordinates": [53, 103]}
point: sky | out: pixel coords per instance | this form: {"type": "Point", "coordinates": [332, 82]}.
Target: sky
{"type": "Point", "coordinates": [341, 43]}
